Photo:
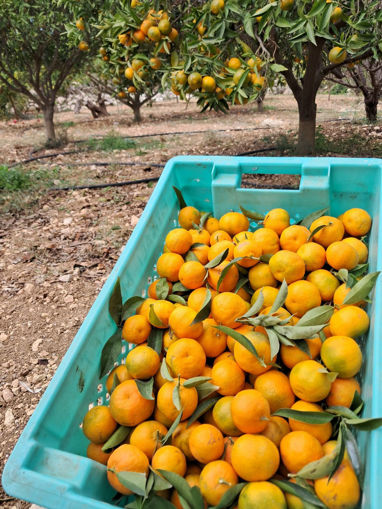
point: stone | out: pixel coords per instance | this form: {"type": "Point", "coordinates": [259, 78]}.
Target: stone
{"type": "Point", "coordinates": [7, 395]}
{"type": "Point", "coordinates": [9, 418]}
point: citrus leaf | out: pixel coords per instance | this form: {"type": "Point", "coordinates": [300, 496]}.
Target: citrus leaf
{"type": "Point", "coordinates": [230, 496]}
{"type": "Point", "coordinates": [159, 483]}
{"type": "Point", "coordinates": [191, 257]}
{"type": "Point", "coordinates": [181, 486]}
{"type": "Point", "coordinates": [110, 352]}
{"type": "Point", "coordinates": [343, 275]}
{"type": "Point", "coordinates": [273, 341]}
{"type": "Point", "coordinates": [357, 403]}
{"type": "Point", "coordinates": [178, 287]}
{"type": "Point", "coordinates": [252, 215]}
{"type": "Point", "coordinates": [255, 308]}
{"type": "Point", "coordinates": [203, 219]}
{"type": "Point", "coordinates": [310, 32]}
{"type": "Point", "coordinates": [353, 452]}
{"type": "Point", "coordinates": [308, 417]}
{"type": "Point", "coordinates": [342, 411]}
{"type": "Point", "coordinates": [287, 342]}
{"type": "Point", "coordinates": [248, 24]}
{"type": "Point", "coordinates": [119, 435]}
{"type": "Point", "coordinates": [176, 397]}
{"type": "Point", "coordinates": [225, 270]}
{"type": "Point", "coordinates": [317, 7]}
{"type": "Point", "coordinates": [265, 9]}
{"type": "Point", "coordinates": [205, 389]}
{"type": "Point", "coordinates": [319, 468]}
{"type": "Point", "coordinates": [115, 383]}
{"type": "Point", "coordinates": [177, 298]}
{"type": "Point", "coordinates": [279, 67]}
{"type": "Point", "coordinates": [205, 310]}
{"type": "Point", "coordinates": [130, 306]}
{"type": "Point", "coordinates": [340, 453]}
{"type": "Point", "coordinates": [308, 220]}
{"type": "Point", "coordinates": [217, 260]}
{"type": "Point", "coordinates": [316, 316]}
{"type": "Point", "coordinates": [303, 346]}
{"type": "Point", "coordinates": [242, 282]}
{"type": "Point", "coordinates": [298, 491]}
{"type": "Point", "coordinates": [172, 428]}
{"type": "Point", "coordinates": [280, 298]}
{"type": "Point", "coordinates": [202, 408]}
{"type": "Point", "coordinates": [155, 340]}
{"type": "Point", "coordinates": [115, 303]}
{"type": "Point", "coordinates": [197, 380]}
{"type": "Point", "coordinates": [361, 289]}
{"type": "Point", "coordinates": [197, 497]}
{"type": "Point", "coordinates": [153, 319]}
{"type": "Point", "coordinates": [164, 371]}
{"type": "Point", "coordinates": [158, 502]}
{"type": "Point", "coordinates": [316, 230]}
{"type": "Point", "coordinates": [145, 388]}
{"type": "Point", "coordinates": [365, 424]}
{"type": "Point", "coordinates": [134, 481]}
{"type": "Point", "coordinates": [242, 340]}
{"type": "Point", "coordinates": [360, 270]}
{"type": "Point", "coordinates": [162, 288]}
{"type": "Point", "coordinates": [149, 484]}
{"type": "Point", "coordinates": [296, 332]}
{"type": "Point", "coordinates": [179, 195]}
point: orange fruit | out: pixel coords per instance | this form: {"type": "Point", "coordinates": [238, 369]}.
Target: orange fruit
{"type": "Point", "coordinates": [178, 240]}
{"type": "Point", "coordinates": [294, 237]}
{"type": "Point", "coordinates": [261, 275]}
{"type": "Point", "coordinates": [136, 329]}
{"type": "Point", "coordinates": [181, 437]}
{"type": "Point", "coordinates": [197, 297]}
{"type": "Point", "coordinates": [276, 389]}
{"type": "Point", "coordinates": [277, 220]}
{"type": "Point", "coordinates": [247, 360]}
{"type": "Point", "coordinates": [302, 296]}
{"type": "Point", "coordinates": [160, 417]}
{"type": "Point", "coordinates": [192, 274]}
{"type": "Point", "coordinates": [255, 458]}
{"type": "Point", "coordinates": [186, 358]}
{"type": "Point", "coordinates": [330, 233]}
{"type": "Point", "coordinates": [213, 341]}
{"type": "Point", "coordinates": [287, 265]}
{"type": "Point", "coordinates": [292, 355]}
{"type": "Point", "coordinates": [309, 382]}
{"type": "Point", "coordinates": [218, 236]}
{"type": "Point", "coordinates": [170, 458]}
{"type": "Point", "coordinates": [200, 236]}
{"type": "Point", "coordinates": [126, 458]}
{"type": "Point", "coordinates": [211, 225]}
{"type": "Point", "coordinates": [188, 216]}
{"type": "Point", "coordinates": [341, 255]}
{"type": "Point", "coordinates": [325, 282]}
{"type": "Point", "coordinates": [163, 310]}
{"type": "Point", "coordinates": [229, 280]}
{"type": "Point", "coordinates": [222, 416]}
{"type": "Point", "coordinates": [129, 73]}
{"type": "Point", "coordinates": [95, 453]}
{"type": "Point", "coordinates": [240, 237]}
{"type": "Point", "coordinates": [201, 253]}
{"type": "Point", "coordinates": [220, 247]}
{"type": "Point", "coordinates": [227, 307]}
{"type": "Point", "coordinates": [233, 223]}
{"type": "Point", "coordinates": [269, 294]}
{"type": "Point", "coordinates": [121, 373]}
{"type": "Point", "coordinates": [320, 431]}
{"type": "Point", "coordinates": [164, 26]}
{"type": "Point", "coordinates": [98, 424]}
{"type": "Point", "coordinates": [195, 80]}
{"type": "Point", "coordinates": [181, 323]}
{"type": "Point", "coordinates": [342, 490]}
{"type": "Point", "coordinates": [208, 84]}
{"type": "Point", "coordinates": [228, 446]}
{"type": "Point", "coordinates": [83, 46]}
{"type": "Point", "coordinates": [224, 356]}
{"type": "Point", "coordinates": [206, 443]}
{"type": "Point", "coordinates": [250, 411]}
{"type": "Point", "coordinates": [215, 479]}
{"type": "Point", "coordinates": [267, 239]}
{"type": "Point", "coordinates": [168, 338]}
{"type": "Point", "coordinates": [234, 63]}
{"type": "Point", "coordinates": [342, 355]}
{"type": "Point", "coordinates": [152, 289]}
{"type": "Point", "coordinates": [228, 376]}
{"type": "Point", "coordinates": [298, 448]}
{"type": "Point", "coordinates": [145, 25]}
{"type": "Point", "coordinates": [147, 437]}
{"type": "Point", "coordinates": [313, 254]}
{"type": "Point", "coordinates": [359, 246]}
{"type": "Point", "coordinates": [139, 36]}
{"type": "Point", "coordinates": [241, 330]}
{"type": "Point", "coordinates": [188, 400]}
{"type": "Point", "coordinates": [276, 429]}
{"type": "Point", "coordinates": [153, 33]}
{"type": "Point", "coordinates": [127, 406]}
{"type": "Point", "coordinates": [142, 362]}
{"type": "Point", "coordinates": [261, 494]}
{"type": "Point", "coordinates": [248, 250]}
{"type": "Point", "coordinates": [155, 63]}
{"type": "Point", "coordinates": [173, 35]}
{"type": "Point", "coordinates": [357, 222]}
{"type": "Point", "coordinates": [342, 392]}
{"type": "Point", "coordinates": [349, 321]}
{"type": "Point", "coordinates": [168, 266]}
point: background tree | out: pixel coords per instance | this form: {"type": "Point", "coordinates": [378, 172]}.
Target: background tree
{"type": "Point", "coordinates": [33, 38]}
{"type": "Point", "coordinates": [366, 77]}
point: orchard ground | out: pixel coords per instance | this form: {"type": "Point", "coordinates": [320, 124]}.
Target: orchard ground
{"type": "Point", "coordinates": [58, 248]}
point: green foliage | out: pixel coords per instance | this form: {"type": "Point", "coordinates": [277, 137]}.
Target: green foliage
{"type": "Point", "coordinates": [13, 179]}
{"type": "Point", "coordinates": [110, 143]}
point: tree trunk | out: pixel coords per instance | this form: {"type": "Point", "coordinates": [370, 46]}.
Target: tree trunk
{"type": "Point", "coordinates": [137, 109]}
{"type": "Point", "coordinates": [306, 129]}
{"type": "Point", "coordinates": [48, 112]}
{"type": "Point", "coordinates": [371, 106]}
{"type": "Point", "coordinates": [260, 104]}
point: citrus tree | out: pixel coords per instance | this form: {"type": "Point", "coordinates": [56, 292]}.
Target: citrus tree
{"type": "Point", "coordinates": [366, 77]}
{"type": "Point", "coordinates": [33, 40]}
{"type": "Point", "coordinates": [229, 49]}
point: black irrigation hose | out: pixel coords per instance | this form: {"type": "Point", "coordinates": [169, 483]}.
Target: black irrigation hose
{"type": "Point", "coordinates": [270, 149]}
{"type": "Point", "coordinates": [45, 156]}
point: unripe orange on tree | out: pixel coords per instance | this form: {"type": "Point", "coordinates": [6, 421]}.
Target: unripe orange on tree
{"type": "Point", "coordinates": [234, 63]}
{"type": "Point", "coordinates": [154, 34]}
{"type": "Point", "coordinates": [336, 15]}
{"type": "Point", "coordinates": [258, 81]}
{"type": "Point", "coordinates": [173, 35]}
{"type": "Point", "coordinates": [139, 36]}
{"type": "Point", "coordinates": [129, 73]}
{"type": "Point", "coordinates": [80, 24]}
{"type": "Point", "coordinates": [164, 26]}
{"type": "Point", "coordinates": [286, 5]}
{"type": "Point", "coordinates": [155, 63]}
{"type": "Point", "coordinates": [123, 38]}
{"type": "Point", "coordinates": [337, 55]}
{"type": "Point", "coordinates": [83, 46]}
{"type": "Point", "coordinates": [195, 80]}
{"type": "Point", "coordinates": [208, 84]}
{"type": "Point", "coordinates": [217, 6]}
{"type": "Point", "coordinates": [131, 90]}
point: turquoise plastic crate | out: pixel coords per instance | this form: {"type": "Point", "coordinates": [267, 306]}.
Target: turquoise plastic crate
{"type": "Point", "coordinates": [48, 464]}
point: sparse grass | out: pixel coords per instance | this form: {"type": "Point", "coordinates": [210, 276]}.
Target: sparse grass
{"type": "Point", "coordinates": [67, 124]}
{"type": "Point", "coordinates": [13, 179]}
{"type": "Point", "coordinates": [349, 145]}
{"type": "Point", "coordinates": [109, 143]}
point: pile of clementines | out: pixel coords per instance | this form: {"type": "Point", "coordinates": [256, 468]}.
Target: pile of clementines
{"type": "Point", "coordinates": [202, 405]}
